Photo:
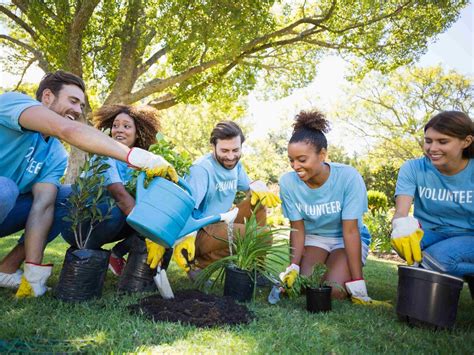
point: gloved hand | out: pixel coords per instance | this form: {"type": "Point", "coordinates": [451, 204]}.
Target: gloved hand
{"type": "Point", "coordinates": [184, 251]}
{"type": "Point", "coordinates": [406, 239]}
{"type": "Point", "coordinates": [260, 192]}
{"type": "Point", "coordinates": [33, 281]}
{"type": "Point", "coordinates": [288, 277]}
{"type": "Point", "coordinates": [357, 289]}
{"type": "Point", "coordinates": [229, 217]}
{"type": "Point", "coordinates": [154, 165]}
{"type": "Point", "coordinates": [155, 253]}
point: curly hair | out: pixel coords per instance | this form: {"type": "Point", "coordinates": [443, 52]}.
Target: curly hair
{"type": "Point", "coordinates": [146, 118]}
{"type": "Point", "coordinates": [310, 127]}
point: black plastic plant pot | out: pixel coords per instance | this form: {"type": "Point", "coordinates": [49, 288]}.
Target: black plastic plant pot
{"type": "Point", "coordinates": [137, 275]}
{"type": "Point", "coordinates": [318, 299]}
{"type": "Point", "coordinates": [470, 282]}
{"type": "Point", "coordinates": [238, 284]}
{"type": "Point", "coordinates": [83, 274]}
{"type": "Point", "coordinates": [427, 298]}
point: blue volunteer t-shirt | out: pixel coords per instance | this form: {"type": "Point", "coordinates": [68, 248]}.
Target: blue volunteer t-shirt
{"type": "Point", "coordinates": [442, 203]}
{"type": "Point", "coordinates": [214, 187]}
{"type": "Point", "coordinates": [118, 171]}
{"type": "Point", "coordinates": [342, 197]}
{"type": "Point", "coordinates": [25, 156]}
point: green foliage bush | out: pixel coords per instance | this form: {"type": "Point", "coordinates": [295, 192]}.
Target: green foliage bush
{"type": "Point", "coordinates": [379, 224]}
{"type": "Point", "coordinates": [384, 179]}
{"type": "Point", "coordinates": [377, 201]}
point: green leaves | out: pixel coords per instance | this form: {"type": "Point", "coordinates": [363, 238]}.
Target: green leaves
{"type": "Point", "coordinates": [89, 204]}
{"type": "Point", "coordinates": [257, 251]}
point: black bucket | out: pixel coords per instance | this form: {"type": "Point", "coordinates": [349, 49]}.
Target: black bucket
{"type": "Point", "coordinates": [238, 284]}
{"type": "Point", "coordinates": [318, 299]}
{"type": "Point", "coordinates": [427, 298]}
{"type": "Point", "coordinates": [137, 276]}
{"type": "Point", "coordinates": [470, 282]}
{"type": "Point", "coordinates": [83, 274]}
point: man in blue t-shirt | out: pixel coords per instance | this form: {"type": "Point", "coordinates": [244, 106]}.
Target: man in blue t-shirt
{"type": "Point", "coordinates": [32, 161]}
{"type": "Point", "coordinates": [215, 179]}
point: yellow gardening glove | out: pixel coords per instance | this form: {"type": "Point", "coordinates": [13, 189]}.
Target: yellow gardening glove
{"type": "Point", "coordinates": [288, 277]}
{"type": "Point", "coordinates": [260, 192]}
{"type": "Point", "coordinates": [155, 253]}
{"type": "Point", "coordinates": [33, 281]}
{"type": "Point", "coordinates": [358, 291]}
{"type": "Point", "coordinates": [165, 171]}
{"type": "Point", "coordinates": [406, 239]}
{"type": "Point", "coordinates": [185, 247]}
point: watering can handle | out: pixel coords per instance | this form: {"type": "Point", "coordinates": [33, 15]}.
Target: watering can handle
{"type": "Point", "coordinates": [140, 185]}
{"type": "Point", "coordinates": [184, 185]}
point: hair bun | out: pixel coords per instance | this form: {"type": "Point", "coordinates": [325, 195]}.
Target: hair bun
{"type": "Point", "coordinates": [314, 120]}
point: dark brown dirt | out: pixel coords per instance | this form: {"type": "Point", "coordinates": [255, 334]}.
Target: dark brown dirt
{"type": "Point", "coordinates": [195, 308]}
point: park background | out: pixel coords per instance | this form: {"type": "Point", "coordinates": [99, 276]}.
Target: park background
{"type": "Point", "coordinates": [199, 63]}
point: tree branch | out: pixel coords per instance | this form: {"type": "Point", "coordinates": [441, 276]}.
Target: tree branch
{"type": "Point", "coordinates": [42, 63]}
{"type": "Point", "coordinates": [19, 21]}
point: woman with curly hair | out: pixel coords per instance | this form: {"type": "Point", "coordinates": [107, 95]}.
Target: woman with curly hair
{"type": "Point", "coordinates": [134, 126]}
{"type": "Point", "coordinates": [324, 203]}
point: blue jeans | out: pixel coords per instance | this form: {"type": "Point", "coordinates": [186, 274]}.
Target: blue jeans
{"type": "Point", "coordinates": [15, 208]}
{"type": "Point", "coordinates": [452, 253]}
{"type": "Point", "coordinates": [110, 230]}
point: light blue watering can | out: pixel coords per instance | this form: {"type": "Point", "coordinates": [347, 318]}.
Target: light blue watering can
{"type": "Point", "coordinates": [163, 211]}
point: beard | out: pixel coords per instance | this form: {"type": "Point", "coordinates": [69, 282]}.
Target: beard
{"type": "Point", "coordinates": [225, 163]}
{"type": "Point", "coordinates": [55, 107]}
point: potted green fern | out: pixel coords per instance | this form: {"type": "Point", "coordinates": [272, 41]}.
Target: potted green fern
{"type": "Point", "coordinates": [318, 291]}
{"type": "Point", "coordinates": [256, 252]}
{"type": "Point", "coordinates": [83, 272]}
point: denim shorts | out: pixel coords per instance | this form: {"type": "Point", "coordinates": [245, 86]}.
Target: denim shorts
{"type": "Point", "coordinates": [330, 244]}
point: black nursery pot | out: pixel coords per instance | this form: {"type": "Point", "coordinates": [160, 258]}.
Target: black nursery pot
{"type": "Point", "coordinates": [318, 299]}
{"type": "Point", "coordinates": [137, 275]}
{"type": "Point", "coordinates": [470, 282]}
{"type": "Point", "coordinates": [238, 284]}
{"type": "Point", "coordinates": [427, 298]}
{"type": "Point", "coordinates": [83, 274]}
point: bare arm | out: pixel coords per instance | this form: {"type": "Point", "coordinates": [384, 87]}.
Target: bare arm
{"type": "Point", "coordinates": [82, 136]}
{"type": "Point", "coordinates": [297, 241]}
{"type": "Point", "coordinates": [39, 221]}
{"type": "Point", "coordinates": [124, 200]}
{"type": "Point", "coordinates": [351, 235]}
{"type": "Point", "coordinates": [402, 206]}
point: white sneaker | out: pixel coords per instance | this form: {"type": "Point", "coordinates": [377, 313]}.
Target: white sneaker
{"type": "Point", "coordinates": [10, 280]}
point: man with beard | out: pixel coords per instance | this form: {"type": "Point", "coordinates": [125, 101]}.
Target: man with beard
{"type": "Point", "coordinates": [32, 161]}
{"type": "Point", "coordinates": [215, 179]}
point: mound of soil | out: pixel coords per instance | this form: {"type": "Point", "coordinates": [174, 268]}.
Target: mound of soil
{"type": "Point", "coordinates": [193, 307]}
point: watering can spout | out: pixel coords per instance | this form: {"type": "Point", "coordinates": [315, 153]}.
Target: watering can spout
{"type": "Point", "coordinates": [193, 224]}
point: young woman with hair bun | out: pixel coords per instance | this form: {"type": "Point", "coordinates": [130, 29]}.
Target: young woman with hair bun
{"type": "Point", "coordinates": [324, 202]}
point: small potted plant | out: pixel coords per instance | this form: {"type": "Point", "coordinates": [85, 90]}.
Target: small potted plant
{"type": "Point", "coordinates": [83, 273]}
{"type": "Point", "coordinates": [318, 291]}
{"type": "Point", "coordinates": [251, 254]}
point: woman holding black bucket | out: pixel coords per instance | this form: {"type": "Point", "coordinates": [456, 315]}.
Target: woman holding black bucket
{"type": "Point", "coordinates": [134, 126]}
{"type": "Point", "coordinates": [324, 203]}
{"type": "Point", "coordinates": [440, 236]}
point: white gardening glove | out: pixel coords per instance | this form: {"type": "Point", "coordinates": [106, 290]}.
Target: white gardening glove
{"type": "Point", "coordinates": [229, 217]}
{"type": "Point", "coordinates": [288, 277]}
{"type": "Point", "coordinates": [33, 281]}
{"type": "Point", "coordinates": [406, 239]}
{"type": "Point", "coordinates": [154, 165]}
{"type": "Point", "coordinates": [260, 192]}
{"type": "Point", "coordinates": [357, 289]}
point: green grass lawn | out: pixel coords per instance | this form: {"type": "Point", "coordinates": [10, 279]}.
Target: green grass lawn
{"type": "Point", "coordinates": [47, 325]}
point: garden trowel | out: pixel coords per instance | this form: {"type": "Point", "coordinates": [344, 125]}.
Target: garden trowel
{"type": "Point", "coordinates": [162, 283]}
